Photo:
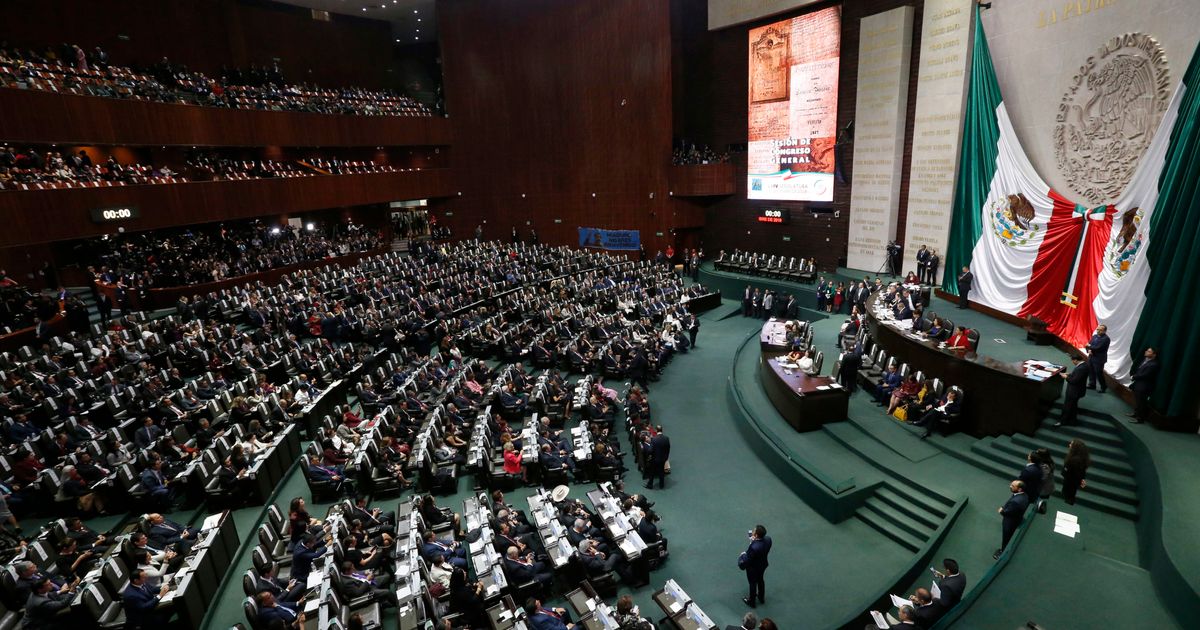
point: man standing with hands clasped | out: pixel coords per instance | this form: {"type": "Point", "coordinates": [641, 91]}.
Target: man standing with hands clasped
{"type": "Point", "coordinates": [1097, 350]}
{"type": "Point", "coordinates": [754, 562]}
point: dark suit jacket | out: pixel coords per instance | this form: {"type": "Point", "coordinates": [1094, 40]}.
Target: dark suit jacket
{"type": "Point", "coordinates": [1098, 347]}
{"type": "Point", "coordinates": [302, 559]}
{"type": "Point", "coordinates": [1014, 510]}
{"type": "Point", "coordinates": [756, 556]}
{"type": "Point", "coordinates": [542, 621]}
{"type": "Point", "coordinates": [1077, 380]}
{"type": "Point", "coordinates": [519, 573]}
{"type": "Point", "coordinates": [267, 615]}
{"type": "Point", "coordinates": [1144, 377]}
{"type": "Point", "coordinates": [952, 588]}
{"type": "Point", "coordinates": [926, 616]}
{"type": "Point", "coordinates": [1031, 475]}
{"type": "Point", "coordinates": [660, 449]}
{"type": "Point", "coordinates": [139, 607]}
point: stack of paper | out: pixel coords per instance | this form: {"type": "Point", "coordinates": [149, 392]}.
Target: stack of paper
{"type": "Point", "coordinates": [1066, 524]}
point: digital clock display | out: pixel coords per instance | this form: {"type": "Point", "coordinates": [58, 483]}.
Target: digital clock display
{"type": "Point", "coordinates": [109, 215]}
{"type": "Point", "coordinates": [774, 215]}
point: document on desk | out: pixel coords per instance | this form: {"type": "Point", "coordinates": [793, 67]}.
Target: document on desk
{"type": "Point", "coordinates": [403, 591]}
{"type": "Point", "coordinates": [212, 521]}
{"type": "Point", "coordinates": [675, 607]}
{"type": "Point", "coordinates": [314, 580]}
{"type": "Point", "coordinates": [880, 620]}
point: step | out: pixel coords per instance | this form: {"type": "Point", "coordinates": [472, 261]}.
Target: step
{"type": "Point", "coordinates": [1057, 444]}
{"type": "Point", "coordinates": [876, 522]}
{"type": "Point", "coordinates": [1101, 458]}
{"type": "Point", "coordinates": [898, 519]}
{"type": "Point", "coordinates": [1109, 478]}
{"type": "Point", "coordinates": [1089, 435]}
{"type": "Point", "coordinates": [1088, 418]}
{"type": "Point", "coordinates": [922, 513]}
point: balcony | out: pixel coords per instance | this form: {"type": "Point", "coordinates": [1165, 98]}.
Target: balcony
{"type": "Point", "coordinates": [31, 116]}
{"type": "Point", "coordinates": [39, 216]}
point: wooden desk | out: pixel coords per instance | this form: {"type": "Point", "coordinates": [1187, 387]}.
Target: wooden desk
{"type": "Point", "coordinates": [998, 399]}
{"type": "Point", "coordinates": [806, 402]}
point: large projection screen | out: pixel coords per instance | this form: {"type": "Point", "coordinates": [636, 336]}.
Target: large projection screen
{"type": "Point", "coordinates": [792, 122]}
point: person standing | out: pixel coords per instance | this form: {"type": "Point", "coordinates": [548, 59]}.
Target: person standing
{"type": "Point", "coordinates": [1144, 379]}
{"type": "Point", "coordinates": [932, 265]}
{"type": "Point", "coordinates": [922, 264]}
{"type": "Point", "coordinates": [1046, 461]}
{"type": "Point", "coordinates": [1031, 475]}
{"type": "Point", "coordinates": [964, 287]}
{"type": "Point", "coordinates": [658, 452]}
{"type": "Point", "coordinates": [1012, 513]}
{"type": "Point", "coordinates": [754, 562]}
{"type": "Point", "coordinates": [1097, 349]}
{"type": "Point", "coordinates": [747, 302]}
{"type": "Point", "coordinates": [1076, 388]}
{"type": "Point", "coordinates": [1074, 471]}
{"type": "Point", "coordinates": [693, 328]}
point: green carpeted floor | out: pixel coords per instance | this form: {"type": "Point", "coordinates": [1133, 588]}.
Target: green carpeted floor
{"type": "Point", "coordinates": [820, 571]}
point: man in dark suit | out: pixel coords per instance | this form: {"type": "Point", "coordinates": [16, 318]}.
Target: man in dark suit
{"type": "Point", "coordinates": [922, 264]}
{"type": "Point", "coordinates": [44, 604]}
{"type": "Point", "coordinates": [1031, 474]}
{"type": "Point", "coordinates": [926, 610]}
{"type": "Point", "coordinates": [1076, 387]}
{"type": "Point", "coordinates": [302, 558]}
{"type": "Point", "coordinates": [164, 532]}
{"type": "Point", "coordinates": [140, 602]}
{"type": "Point", "coordinates": [964, 287]}
{"type": "Point", "coordinates": [1012, 513]}
{"type": "Point", "coordinates": [356, 584]}
{"type": "Point", "coordinates": [1097, 349]}
{"type": "Point", "coordinates": [269, 610]}
{"type": "Point", "coordinates": [749, 622]}
{"type": "Point", "coordinates": [637, 370]}
{"type": "Point", "coordinates": [266, 582]}
{"type": "Point", "coordinates": [847, 374]}
{"type": "Point", "coordinates": [952, 584]}
{"type": "Point", "coordinates": [754, 562]}
{"type": "Point", "coordinates": [1144, 379]}
{"type": "Point", "coordinates": [451, 551]}
{"type": "Point", "coordinates": [657, 450]}
{"type": "Point", "coordinates": [523, 569]}
{"type": "Point", "coordinates": [542, 618]}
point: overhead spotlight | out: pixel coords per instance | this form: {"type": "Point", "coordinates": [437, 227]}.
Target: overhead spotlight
{"type": "Point", "coordinates": [310, 227]}
{"type": "Point", "coordinates": [418, 19]}
{"type": "Point", "coordinates": [275, 230]}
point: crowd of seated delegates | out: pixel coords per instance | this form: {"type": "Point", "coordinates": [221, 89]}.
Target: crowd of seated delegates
{"type": "Point", "coordinates": [212, 166]}
{"type": "Point", "coordinates": [923, 610]}
{"type": "Point", "coordinates": [25, 169]}
{"type": "Point", "coordinates": [692, 155]}
{"type": "Point", "coordinates": [158, 418]}
{"type": "Point", "coordinates": [21, 308]}
{"type": "Point", "coordinates": [152, 260]}
{"type": "Point", "coordinates": [337, 166]}
{"type": "Point", "coordinates": [69, 69]}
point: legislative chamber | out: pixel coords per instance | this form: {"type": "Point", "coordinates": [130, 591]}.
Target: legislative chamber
{"type": "Point", "coordinates": [603, 314]}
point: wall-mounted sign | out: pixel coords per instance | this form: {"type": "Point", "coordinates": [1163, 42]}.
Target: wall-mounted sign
{"type": "Point", "coordinates": [110, 215]}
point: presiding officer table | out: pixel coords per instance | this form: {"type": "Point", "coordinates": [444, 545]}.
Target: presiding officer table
{"type": "Point", "coordinates": [998, 397]}
{"type": "Point", "coordinates": [806, 402]}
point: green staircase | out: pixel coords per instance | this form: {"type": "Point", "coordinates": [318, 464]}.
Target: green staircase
{"type": "Point", "coordinates": [1111, 483]}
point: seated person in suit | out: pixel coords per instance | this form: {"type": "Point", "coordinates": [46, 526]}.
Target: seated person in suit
{"type": "Point", "coordinates": [318, 472]}
{"type": "Point", "coordinates": [154, 481]}
{"type": "Point", "coordinates": [596, 562]}
{"type": "Point", "coordinates": [907, 391]}
{"type": "Point", "coordinates": [932, 418]}
{"type": "Point", "coordinates": [936, 329]}
{"type": "Point", "coordinates": [356, 584]}
{"type": "Point", "coordinates": [951, 583]}
{"type": "Point", "coordinates": [266, 582]}
{"type": "Point", "coordinates": [140, 602]}
{"type": "Point", "coordinates": [303, 556]}
{"type": "Point", "coordinates": [164, 532]}
{"type": "Point", "coordinates": [44, 605]}
{"type": "Point", "coordinates": [466, 598]}
{"type": "Point", "coordinates": [522, 569]}
{"type": "Point", "coordinates": [543, 618]}
{"type": "Point", "coordinates": [887, 384]}
{"type": "Point", "coordinates": [271, 610]}
{"type": "Point", "coordinates": [456, 554]}
{"type": "Point", "coordinates": [749, 622]}
{"type": "Point", "coordinates": [926, 611]}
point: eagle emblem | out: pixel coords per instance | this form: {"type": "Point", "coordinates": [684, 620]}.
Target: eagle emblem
{"type": "Point", "coordinates": [1125, 244]}
{"type": "Point", "coordinates": [1012, 220]}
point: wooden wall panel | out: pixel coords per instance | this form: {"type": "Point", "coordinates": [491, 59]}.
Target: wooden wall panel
{"type": "Point", "coordinates": [559, 100]}
{"type": "Point", "coordinates": [207, 34]}
{"type": "Point", "coordinates": [48, 117]}
{"type": "Point", "coordinates": [701, 180]}
{"type": "Point", "coordinates": [56, 215]}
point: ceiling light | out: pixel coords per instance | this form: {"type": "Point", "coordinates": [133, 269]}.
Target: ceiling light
{"type": "Point", "coordinates": [418, 19]}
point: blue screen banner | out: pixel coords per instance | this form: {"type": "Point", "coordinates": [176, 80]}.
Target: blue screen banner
{"type": "Point", "coordinates": [596, 238]}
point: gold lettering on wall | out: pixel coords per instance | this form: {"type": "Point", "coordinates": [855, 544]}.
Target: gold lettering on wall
{"type": "Point", "coordinates": [1060, 11]}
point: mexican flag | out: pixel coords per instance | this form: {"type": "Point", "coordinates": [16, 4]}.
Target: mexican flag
{"type": "Point", "coordinates": [1129, 265]}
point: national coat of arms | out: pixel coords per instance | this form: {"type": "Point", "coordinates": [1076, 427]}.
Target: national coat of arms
{"type": "Point", "coordinates": [1125, 244]}
{"type": "Point", "coordinates": [1012, 220]}
{"type": "Point", "coordinates": [1108, 115]}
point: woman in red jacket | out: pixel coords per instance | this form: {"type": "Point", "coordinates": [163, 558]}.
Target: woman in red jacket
{"type": "Point", "coordinates": [512, 459]}
{"type": "Point", "coordinates": [959, 340]}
